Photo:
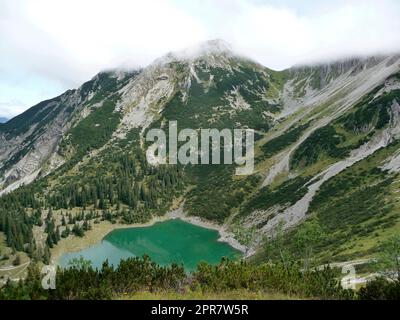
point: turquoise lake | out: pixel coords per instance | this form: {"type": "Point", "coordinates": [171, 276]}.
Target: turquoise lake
{"type": "Point", "coordinates": [165, 242]}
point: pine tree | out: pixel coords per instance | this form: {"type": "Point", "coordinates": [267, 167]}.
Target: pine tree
{"type": "Point", "coordinates": [63, 222]}
{"type": "Point", "coordinates": [17, 260]}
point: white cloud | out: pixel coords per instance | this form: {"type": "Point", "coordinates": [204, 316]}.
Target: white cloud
{"type": "Point", "coordinates": [12, 107]}
{"type": "Point", "coordinates": [68, 41]}
{"type": "Point", "coordinates": [280, 37]}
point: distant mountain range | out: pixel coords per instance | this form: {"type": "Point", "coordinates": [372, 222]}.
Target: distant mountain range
{"type": "Point", "coordinates": [2, 119]}
{"type": "Point", "coordinates": [327, 150]}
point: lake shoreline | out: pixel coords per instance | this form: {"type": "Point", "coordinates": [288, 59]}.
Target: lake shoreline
{"type": "Point", "coordinates": [100, 230]}
{"type": "Point", "coordinates": [224, 235]}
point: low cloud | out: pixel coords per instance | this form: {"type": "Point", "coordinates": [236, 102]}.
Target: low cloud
{"type": "Point", "coordinates": [69, 41]}
{"type": "Point", "coordinates": [10, 108]}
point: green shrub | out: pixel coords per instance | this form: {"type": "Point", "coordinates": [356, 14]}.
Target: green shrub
{"type": "Point", "coordinates": [380, 289]}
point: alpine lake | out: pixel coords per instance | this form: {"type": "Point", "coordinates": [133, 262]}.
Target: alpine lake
{"type": "Point", "coordinates": [167, 242]}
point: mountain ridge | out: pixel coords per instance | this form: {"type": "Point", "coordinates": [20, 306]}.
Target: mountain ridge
{"type": "Point", "coordinates": [314, 124]}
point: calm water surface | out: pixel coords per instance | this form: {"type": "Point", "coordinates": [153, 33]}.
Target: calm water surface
{"type": "Point", "coordinates": [165, 242]}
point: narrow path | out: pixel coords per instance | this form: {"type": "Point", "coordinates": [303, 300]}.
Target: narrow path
{"type": "Point", "coordinates": [11, 268]}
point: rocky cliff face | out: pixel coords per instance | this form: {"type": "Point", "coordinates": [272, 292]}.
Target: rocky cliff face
{"type": "Point", "coordinates": [29, 140]}
{"type": "Point", "coordinates": [29, 143]}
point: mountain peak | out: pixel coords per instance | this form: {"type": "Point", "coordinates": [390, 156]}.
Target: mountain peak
{"type": "Point", "coordinates": [209, 47]}
{"type": "Point", "coordinates": [215, 47]}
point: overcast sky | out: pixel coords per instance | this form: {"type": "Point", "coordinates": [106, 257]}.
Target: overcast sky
{"type": "Point", "coordinates": [49, 46]}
